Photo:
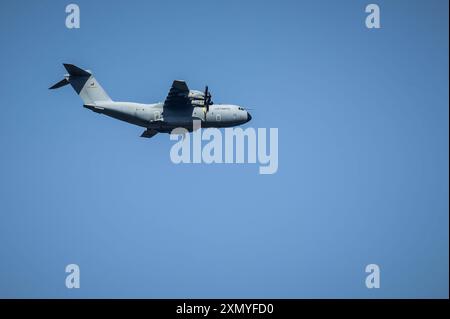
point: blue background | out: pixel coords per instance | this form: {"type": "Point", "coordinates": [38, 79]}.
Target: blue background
{"type": "Point", "coordinates": [363, 151]}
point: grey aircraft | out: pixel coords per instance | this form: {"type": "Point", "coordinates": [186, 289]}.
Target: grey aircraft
{"type": "Point", "coordinates": [181, 107]}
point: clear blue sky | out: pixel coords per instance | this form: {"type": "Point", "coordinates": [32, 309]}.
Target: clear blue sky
{"type": "Point", "coordinates": [363, 151]}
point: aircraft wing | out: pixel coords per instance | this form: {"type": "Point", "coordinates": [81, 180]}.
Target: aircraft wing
{"type": "Point", "coordinates": [178, 96]}
{"type": "Point", "coordinates": [149, 133]}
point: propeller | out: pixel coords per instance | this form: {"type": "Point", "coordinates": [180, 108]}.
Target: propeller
{"type": "Point", "coordinates": [207, 99]}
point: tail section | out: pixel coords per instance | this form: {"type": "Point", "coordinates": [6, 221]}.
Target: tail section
{"type": "Point", "coordinates": [84, 83]}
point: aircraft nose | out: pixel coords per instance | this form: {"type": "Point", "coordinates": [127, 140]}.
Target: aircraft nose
{"type": "Point", "coordinates": [249, 117]}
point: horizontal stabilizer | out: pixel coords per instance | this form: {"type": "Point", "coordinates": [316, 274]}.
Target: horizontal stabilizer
{"type": "Point", "coordinates": [59, 84]}
{"type": "Point", "coordinates": [76, 71]}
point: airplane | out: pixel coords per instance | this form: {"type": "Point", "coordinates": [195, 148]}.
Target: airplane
{"type": "Point", "coordinates": [181, 107]}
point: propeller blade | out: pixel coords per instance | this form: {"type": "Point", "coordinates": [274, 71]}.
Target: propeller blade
{"type": "Point", "coordinates": [207, 98]}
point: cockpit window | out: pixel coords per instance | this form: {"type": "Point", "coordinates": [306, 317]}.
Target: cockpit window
{"type": "Point", "coordinates": [241, 108]}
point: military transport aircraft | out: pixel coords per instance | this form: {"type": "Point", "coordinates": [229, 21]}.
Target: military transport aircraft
{"type": "Point", "coordinates": [181, 107]}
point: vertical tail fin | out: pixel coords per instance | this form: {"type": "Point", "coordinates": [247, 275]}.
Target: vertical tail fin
{"type": "Point", "coordinates": [84, 83]}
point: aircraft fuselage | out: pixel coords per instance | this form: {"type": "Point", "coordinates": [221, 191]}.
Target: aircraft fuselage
{"type": "Point", "coordinates": [153, 116]}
